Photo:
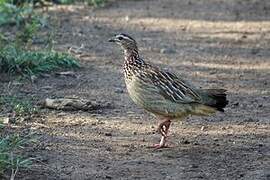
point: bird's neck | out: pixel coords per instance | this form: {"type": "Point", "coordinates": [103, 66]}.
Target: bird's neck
{"type": "Point", "coordinates": [132, 57]}
{"type": "Point", "coordinates": [132, 63]}
{"type": "Point", "coordinates": [131, 52]}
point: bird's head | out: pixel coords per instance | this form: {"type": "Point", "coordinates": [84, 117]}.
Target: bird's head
{"type": "Point", "coordinates": [125, 41]}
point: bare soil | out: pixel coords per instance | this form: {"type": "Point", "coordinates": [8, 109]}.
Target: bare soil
{"type": "Point", "coordinates": [212, 43]}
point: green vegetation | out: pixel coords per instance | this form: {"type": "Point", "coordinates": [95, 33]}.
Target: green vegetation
{"type": "Point", "coordinates": [24, 4]}
{"type": "Point", "coordinates": [11, 14]}
{"type": "Point", "coordinates": [18, 106]}
{"type": "Point", "coordinates": [16, 56]}
{"type": "Point", "coordinates": [26, 62]}
{"type": "Point", "coordinates": [96, 3]}
{"type": "Point", "coordinates": [10, 154]}
{"type": "Point", "coordinates": [20, 25]}
{"type": "Point", "coordinates": [66, 1]}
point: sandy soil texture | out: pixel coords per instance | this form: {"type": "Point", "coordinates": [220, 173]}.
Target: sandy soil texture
{"type": "Point", "coordinates": [212, 43]}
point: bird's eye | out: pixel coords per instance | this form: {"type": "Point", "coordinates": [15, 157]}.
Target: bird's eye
{"type": "Point", "coordinates": [120, 38]}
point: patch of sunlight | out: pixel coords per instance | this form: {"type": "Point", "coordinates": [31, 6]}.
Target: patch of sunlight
{"type": "Point", "coordinates": [250, 91]}
{"type": "Point", "coordinates": [201, 25]}
{"type": "Point", "coordinates": [261, 66]}
{"type": "Point", "coordinates": [66, 8]}
{"type": "Point", "coordinates": [172, 25]}
{"type": "Point", "coordinates": [225, 129]}
{"type": "Point", "coordinates": [242, 130]}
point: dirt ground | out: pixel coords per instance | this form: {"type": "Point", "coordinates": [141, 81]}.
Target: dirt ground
{"type": "Point", "coordinates": [212, 43]}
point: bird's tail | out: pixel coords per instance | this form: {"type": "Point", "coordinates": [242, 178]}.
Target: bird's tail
{"type": "Point", "coordinates": [216, 98]}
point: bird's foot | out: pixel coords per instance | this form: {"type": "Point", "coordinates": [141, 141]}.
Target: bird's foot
{"type": "Point", "coordinates": [159, 146]}
{"type": "Point", "coordinates": [162, 143]}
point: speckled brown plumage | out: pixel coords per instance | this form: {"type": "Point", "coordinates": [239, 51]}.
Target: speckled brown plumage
{"type": "Point", "coordinates": [162, 92]}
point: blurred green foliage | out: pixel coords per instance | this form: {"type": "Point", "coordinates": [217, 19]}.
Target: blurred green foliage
{"type": "Point", "coordinates": [16, 58]}
{"type": "Point", "coordinates": [26, 62]}
{"type": "Point", "coordinates": [18, 14]}
{"type": "Point", "coordinates": [17, 105]}
{"type": "Point", "coordinates": [10, 154]}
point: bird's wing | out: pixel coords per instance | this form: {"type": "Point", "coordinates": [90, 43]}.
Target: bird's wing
{"type": "Point", "coordinates": [171, 87]}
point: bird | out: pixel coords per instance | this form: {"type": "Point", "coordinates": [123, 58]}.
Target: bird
{"type": "Point", "coordinates": [164, 93]}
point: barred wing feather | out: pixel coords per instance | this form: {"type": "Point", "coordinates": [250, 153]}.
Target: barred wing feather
{"type": "Point", "coordinates": [172, 87]}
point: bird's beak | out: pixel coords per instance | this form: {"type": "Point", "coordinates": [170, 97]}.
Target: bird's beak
{"type": "Point", "coordinates": [111, 40]}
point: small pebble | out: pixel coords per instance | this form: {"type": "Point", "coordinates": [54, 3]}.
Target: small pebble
{"type": "Point", "coordinates": [94, 123]}
{"type": "Point", "coordinates": [46, 87]}
{"type": "Point", "coordinates": [212, 72]}
{"type": "Point", "coordinates": [127, 18]}
{"type": "Point", "coordinates": [61, 114]}
{"type": "Point", "coordinates": [33, 78]}
{"type": "Point", "coordinates": [167, 51]}
{"type": "Point", "coordinates": [5, 120]}
{"type": "Point", "coordinates": [249, 120]}
{"type": "Point", "coordinates": [108, 177]}
{"type": "Point", "coordinates": [108, 149]}
{"type": "Point", "coordinates": [193, 166]}
{"type": "Point", "coordinates": [119, 90]}
{"type": "Point", "coordinates": [108, 134]}
{"type": "Point", "coordinates": [202, 128]}
{"type": "Point", "coordinates": [100, 122]}
{"type": "Point", "coordinates": [186, 142]}
{"type": "Point", "coordinates": [45, 75]}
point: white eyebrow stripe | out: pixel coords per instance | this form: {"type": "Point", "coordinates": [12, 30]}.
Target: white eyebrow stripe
{"type": "Point", "coordinates": [123, 36]}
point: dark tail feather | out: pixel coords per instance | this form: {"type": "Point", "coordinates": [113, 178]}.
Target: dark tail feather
{"type": "Point", "coordinates": [219, 100]}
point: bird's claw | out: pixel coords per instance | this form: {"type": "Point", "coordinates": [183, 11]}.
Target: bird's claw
{"type": "Point", "coordinates": [158, 146]}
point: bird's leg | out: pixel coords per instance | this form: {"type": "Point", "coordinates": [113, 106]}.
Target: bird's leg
{"type": "Point", "coordinates": [163, 129]}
